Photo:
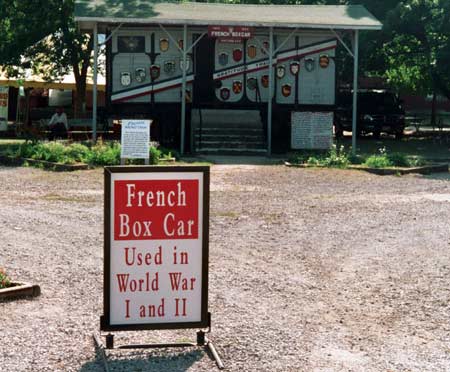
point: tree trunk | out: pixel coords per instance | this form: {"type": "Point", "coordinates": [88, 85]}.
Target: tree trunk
{"type": "Point", "coordinates": [80, 96]}
{"type": "Point", "coordinates": [433, 110]}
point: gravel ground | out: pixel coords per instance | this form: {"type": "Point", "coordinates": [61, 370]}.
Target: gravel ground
{"type": "Point", "coordinates": [310, 270]}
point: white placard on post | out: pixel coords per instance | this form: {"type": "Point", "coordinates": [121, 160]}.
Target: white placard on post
{"type": "Point", "coordinates": [311, 130]}
{"type": "Point", "coordinates": [135, 139]}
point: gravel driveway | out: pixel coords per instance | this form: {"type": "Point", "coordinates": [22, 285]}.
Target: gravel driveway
{"type": "Point", "coordinates": [310, 270]}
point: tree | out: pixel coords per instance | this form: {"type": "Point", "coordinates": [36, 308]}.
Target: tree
{"type": "Point", "coordinates": [50, 46]}
{"type": "Point", "coordinates": [418, 49]}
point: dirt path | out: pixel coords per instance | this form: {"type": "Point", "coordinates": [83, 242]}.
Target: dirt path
{"type": "Point", "coordinates": [310, 270]}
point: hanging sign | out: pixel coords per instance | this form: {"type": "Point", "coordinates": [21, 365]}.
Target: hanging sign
{"type": "Point", "coordinates": [156, 248]}
{"type": "Point", "coordinates": [230, 34]}
{"type": "Point", "coordinates": [4, 96]}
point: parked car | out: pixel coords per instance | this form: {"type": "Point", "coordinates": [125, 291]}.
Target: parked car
{"type": "Point", "coordinates": [379, 111]}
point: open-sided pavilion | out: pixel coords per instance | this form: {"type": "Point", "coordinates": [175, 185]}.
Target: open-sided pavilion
{"type": "Point", "coordinates": [107, 16]}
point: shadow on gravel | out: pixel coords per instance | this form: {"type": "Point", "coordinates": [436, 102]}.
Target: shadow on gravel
{"type": "Point", "coordinates": [139, 361]}
{"type": "Point", "coordinates": [438, 176]}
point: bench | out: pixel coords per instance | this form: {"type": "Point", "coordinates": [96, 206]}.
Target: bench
{"type": "Point", "coordinates": [79, 129]}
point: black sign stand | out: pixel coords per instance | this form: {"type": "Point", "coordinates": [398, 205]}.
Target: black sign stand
{"type": "Point", "coordinates": [202, 342]}
{"type": "Point", "coordinates": [205, 322]}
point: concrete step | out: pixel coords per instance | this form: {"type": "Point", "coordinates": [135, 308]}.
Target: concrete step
{"type": "Point", "coordinates": [231, 144]}
{"type": "Point", "coordinates": [221, 117]}
{"type": "Point", "coordinates": [230, 131]}
{"type": "Point", "coordinates": [230, 137]}
{"type": "Point", "coordinates": [228, 151]}
{"type": "Point", "coordinates": [234, 125]}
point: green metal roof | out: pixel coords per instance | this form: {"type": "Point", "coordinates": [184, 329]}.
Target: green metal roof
{"type": "Point", "coordinates": [353, 17]}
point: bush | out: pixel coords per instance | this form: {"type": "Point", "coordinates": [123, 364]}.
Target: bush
{"type": "Point", "coordinates": [102, 153]}
{"type": "Point", "coordinates": [334, 158]}
{"type": "Point", "coordinates": [79, 152]}
{"type": "Point", "coordinates": [5, 282]}
{"type": "Point", "coordinates": [398, 160]}
{"type": "Point", "coordinates": [378, 161]}
{"type": "Point", "coordinates": [155, 155]}
{"type": "Point", "coordinates": [105, 153]}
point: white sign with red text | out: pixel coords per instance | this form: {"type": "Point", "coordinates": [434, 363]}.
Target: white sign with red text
{"type": "Point", "coordinates": [156, 247]}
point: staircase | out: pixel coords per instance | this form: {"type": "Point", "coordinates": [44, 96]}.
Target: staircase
{"type": "Point", "coordinates": [228, 132]}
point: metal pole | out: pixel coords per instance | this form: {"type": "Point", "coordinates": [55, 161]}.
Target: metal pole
{"type": "Point", "coordinates": [94, 88]}
{"type": "Point", "coordinates": [355, 91]}
{"type": "Point", "coordinates": [269, 101]}
{"type": "Point", "coordinates": [183, 91]}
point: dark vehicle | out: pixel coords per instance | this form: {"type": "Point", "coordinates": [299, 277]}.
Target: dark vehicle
{"type": "Point", "coordinates": [378, 112]}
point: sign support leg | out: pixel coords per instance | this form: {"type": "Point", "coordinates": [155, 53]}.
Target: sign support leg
{"type": "Point", "coordinates": [202, 341]}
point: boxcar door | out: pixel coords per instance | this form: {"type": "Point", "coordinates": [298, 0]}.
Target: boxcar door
{"type": "Point", "coordinates": [204, 68]}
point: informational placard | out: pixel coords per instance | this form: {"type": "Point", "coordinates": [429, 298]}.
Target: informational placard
{"type": "Point", "coordinates": [156, 248]}
{"type": "Point", "coordinates": [230, 34]}
{"type": "Point", "coordinates": [311, 130]}
{"type": "Point", "coordinates": [135, 139]}
{"type": "Point", "coordinates": [4, 95]}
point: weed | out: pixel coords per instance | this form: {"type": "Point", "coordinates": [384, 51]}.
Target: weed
{"type": "Point", "coordinates": [5, 281]}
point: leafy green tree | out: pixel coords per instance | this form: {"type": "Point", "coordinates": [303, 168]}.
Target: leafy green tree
{"type": "Point", "coordinates": [418, 50]}
{"type": "Point", "coordinates": [42, 35]}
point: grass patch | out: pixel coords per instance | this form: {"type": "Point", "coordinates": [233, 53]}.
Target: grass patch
{"type": "Point", "coordinates": [334, 158]}
{"type": "Point", "coordinates": [340, 158]}
{"type": "Point", "coordinates": [390, 160]}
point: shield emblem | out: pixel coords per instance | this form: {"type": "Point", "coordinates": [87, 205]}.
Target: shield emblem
{"type": "Point", "coordinates": [163, 45]}
{"type": "Point", "coordinates": [281, 72]}
{"type": "Point", "coordinates": [266, 47]}
{"type": "Point", "coordinates": [265, 81]}
{"type": "Point", "coordinates": [125, 78]}
{"type": "Point", "coordinates": [237, 54]}
{"type": "Point", "coordinates": [251, 51]}
{"type": "Point", "coordinates": [225, 94]}
{"type": "Point", "coordinates": [286, 90]}
{"type": "Point", "coordinates": [309, 64]}
{"type": "Point", "coordinates": [169, 67]}
{"type": "Point", "coordinates": [324, 61]}
{"type": "Point", "coordinates": [294, 67]}
{"type": "Point", "coordinates": [251, 83]}
{"type": "Point", "coordinates": [187, 64]}
{"type": "Point", "coordinates": [223, 59]}
{"type": "Point", "coordinates": [140, 75]}
{"type": "Point", "coordinates": [155, 71]}
{"type": "Point", "coordinates": [180, 44]}
{"type": "Point", "coordinates": [237, 86]}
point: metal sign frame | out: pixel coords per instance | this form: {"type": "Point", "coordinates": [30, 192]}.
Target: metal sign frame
{"type": "Point", "coordinates": [105, 324]}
